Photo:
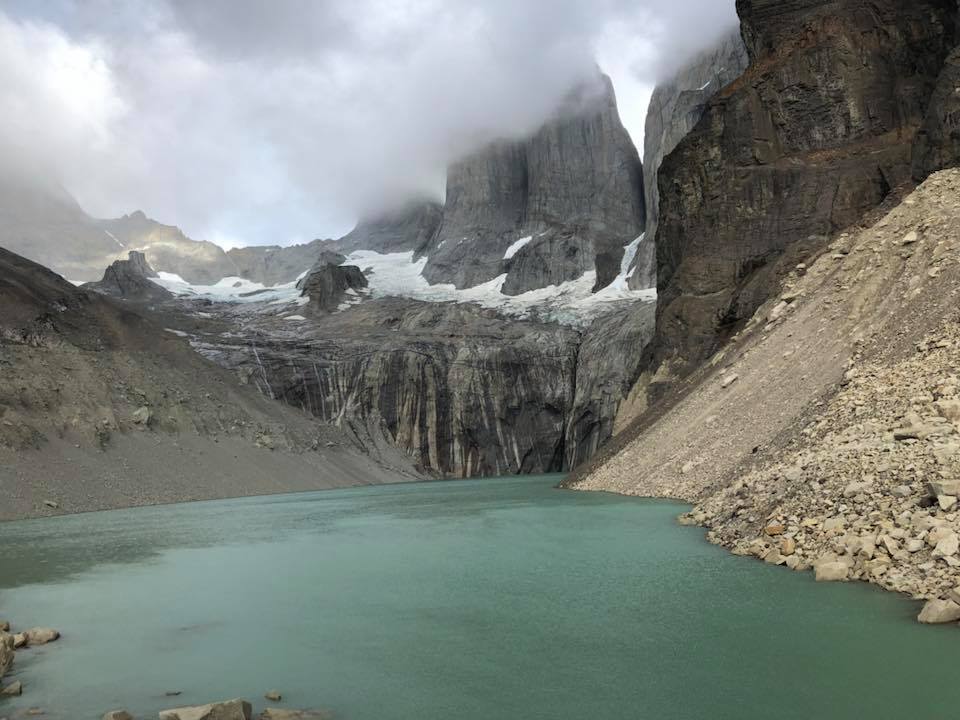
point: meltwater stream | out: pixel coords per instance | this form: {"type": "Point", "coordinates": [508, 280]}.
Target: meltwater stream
{"type": "Point", "coordinates": [467, 600]}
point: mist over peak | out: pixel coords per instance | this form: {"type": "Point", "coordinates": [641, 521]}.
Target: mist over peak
{"type": "Point", "coordinates": [250, 122]}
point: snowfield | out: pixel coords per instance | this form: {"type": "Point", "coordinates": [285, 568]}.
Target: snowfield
{"type": "Point", "coordinates": [400, 275]}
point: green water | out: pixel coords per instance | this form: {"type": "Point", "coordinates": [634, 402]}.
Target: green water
{"type": "Point", "coordinates": [494, 599]}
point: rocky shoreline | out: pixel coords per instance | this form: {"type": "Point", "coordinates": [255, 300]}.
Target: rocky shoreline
{"type": "Point", "coordinates": [13, 642]}
{"type": "Point", "coordinates": [826, 436]}
{"type": "Point", "coordinates": [10, 644]}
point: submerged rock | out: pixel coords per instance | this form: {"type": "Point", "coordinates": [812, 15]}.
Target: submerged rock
{"type": "Point", "coordinates": [41, 636]}
{"type": "Point", "coordinates": [117, 715]}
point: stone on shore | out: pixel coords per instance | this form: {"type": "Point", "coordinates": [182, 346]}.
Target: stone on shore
{"type": "Point", "coordinates": [4, 626]}
{"type": "Point", "coordinates": [947, 546]}
{"type": "Point", "coordinates": [939, 611]}
{"type": "Point", "coordinates": [280, 714]}
{"type": "Point", "coordinates": [227, 710]}
{"type": "Point", "coordinates": [6, 653]}
{"type": "Point", "coordinates": [41, 636]}
{"type": "Point", "coordinates": [19, 640]}
{"type": "Point", "coordinates": [831, 569]}
{"type": "Point", "coordinates": [117, 715]}
{"type": "Point", "coordinates": [13, 689]}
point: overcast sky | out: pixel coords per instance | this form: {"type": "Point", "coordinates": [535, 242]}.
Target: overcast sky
{"type": "Point", "coordinates": [256, 121]}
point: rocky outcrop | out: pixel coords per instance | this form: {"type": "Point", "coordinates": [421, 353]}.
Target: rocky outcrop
{"type": "Point", "coordinates": [817, 131]}
{"type": "Point", "coordinates": [130, 280]}
{"type": "Point", "coordinates": [546, 209]}
{"type": "Point", "coordinates": [675, 108]}
{"type": "Point", "coordinates": [937, 145]}
{"type": "Point", "coordinates": [410, 228]}
{"type": "Point", "coordinates": [328, 285]}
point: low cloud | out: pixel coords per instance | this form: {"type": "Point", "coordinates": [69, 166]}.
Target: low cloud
{"type": "Point", "coordinates": [245, 121]}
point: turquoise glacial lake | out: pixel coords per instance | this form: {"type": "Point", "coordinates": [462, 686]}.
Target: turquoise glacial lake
{"type": "Point", "coordinates": [466, 600]}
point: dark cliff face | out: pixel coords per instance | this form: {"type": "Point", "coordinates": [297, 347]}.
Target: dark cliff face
{"type": "Point", "coordinates": [574, 188]}
{"type": "Point", "coordinates": [676, 106]}
{"type": "Point", "coordinates": [937, 145]}
{"type": "Point", "coordinates": [816, 132]}
{"type": "Point", "coordinates": [462, 391]}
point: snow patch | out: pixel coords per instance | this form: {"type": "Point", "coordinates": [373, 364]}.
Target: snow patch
{"type": "Point", "coordinates": [231, 289]}
{"type": "Point", "coordinates": [571, 303]}
{"type": "Point", "coordinates": [517, 247]}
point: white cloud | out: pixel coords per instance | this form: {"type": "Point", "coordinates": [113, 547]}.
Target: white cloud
{"type": "Point", "coordinates": [276, 122]}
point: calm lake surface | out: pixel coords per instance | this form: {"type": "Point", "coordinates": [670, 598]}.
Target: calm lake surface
{"type": "Point", "coordinates": [466, 600]}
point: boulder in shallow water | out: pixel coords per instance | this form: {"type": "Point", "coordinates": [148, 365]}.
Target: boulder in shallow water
{"type": "Point", "coordinates": [19, 641]}
{"type": "Point", "coordinates": [936, 612]}
{"type": "Point", "coordinates": [228, 710]}
{"type": "Point", "coordinates": [282, 714]}
{"type": "Point", "coordinates": [41, 636]}
{"type": "Point", "coordinates": [118, 715]}
{"type": "Point", "coordinates": [13, 689]}
{"type": "Point", "coordinates": [273, 696]}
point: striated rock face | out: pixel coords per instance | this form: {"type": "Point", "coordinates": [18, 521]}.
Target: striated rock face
{"type": "Point", "coordinates": [607, 365]}
{"type": "Point", "coordinates": [818, 130]}
{"type": "Point", "coordinates": [130, 279]}
{"type": "Point", "coordinates": [675, 108]}
{"type": "Point", "coordinates": [461, 390]}
{"type": "Point", "coordinates": [573, 192]}
{"type": "Point", "coordinates": [328, 285]}
{"type": "Point", "coordinates": [937, 145]}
